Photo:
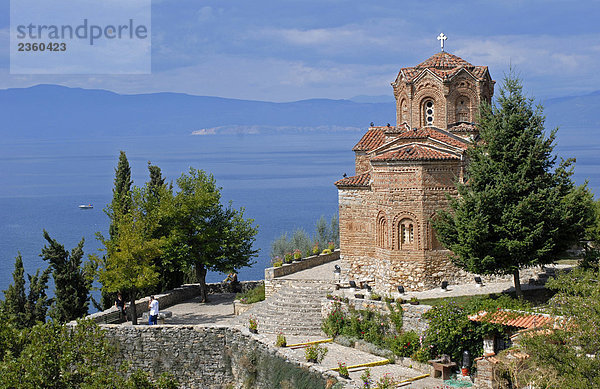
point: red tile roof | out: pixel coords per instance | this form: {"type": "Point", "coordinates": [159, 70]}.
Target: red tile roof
{"type": "Point", "coordinates": [463, 127]}
{"type": "Point", "coordinates": [443, 65]}
{"type": "Point", "coordinates": [428, 132]}
{"type": "Point", "coordinates": [354, 181]}
{"type": "Point", "coordinates": [513, 319]}
{"type": "Point", "coordinates": [371, 140]}
{"type": "Point", "coordinates": [443, 60]}
{"type": "Point", "coordinates": [415, 152]}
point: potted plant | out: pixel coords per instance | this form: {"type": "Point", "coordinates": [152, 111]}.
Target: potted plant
{"type": "Point", "coordinates": [297, 255]}
{"type": "Point", "coordinates": [315, 353]}
{"type": "Point", "coordinates": [343, 370]}
{"type": "Point", "coordinates": [288, 258]}
{"type": "Point", "coordinates": [326, 251]}
{"type": "Point", "coordinates": [253, 325]}
{"type": "Point", "coordinates": [315, 249]}
{"type": "Point", "coordinates": [281, 341]}
{"type": "Point", "coordinates": [413, 301]}
{"type": "Point", "coordinates": [375, 296]}
{"type": "Point", "coordinates": [331, 246]}
{"type": "Point", "coordinates": [359, 296]}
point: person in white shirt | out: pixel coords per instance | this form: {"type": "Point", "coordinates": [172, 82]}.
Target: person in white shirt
{"type": "Point", "coordinates": [153, 314]}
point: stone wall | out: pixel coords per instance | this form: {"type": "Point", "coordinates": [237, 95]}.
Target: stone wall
{"type": "Point", "coordinates": [272, 273]}
{"type": "Point", "coordinates": [172, 297]}
{"type": "Point", "coordinates": [211, 357]}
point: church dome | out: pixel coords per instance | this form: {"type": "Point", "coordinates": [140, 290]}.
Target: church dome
{"type": "Point", "coordinates": [443, 60]}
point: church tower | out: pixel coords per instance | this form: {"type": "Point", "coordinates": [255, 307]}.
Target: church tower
{"type": "Point", "coordinates": [404, 172]}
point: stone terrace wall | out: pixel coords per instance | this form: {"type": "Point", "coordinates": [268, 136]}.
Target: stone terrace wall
{"type": "Point", "coordinates": [271, 273]}
{"type": "Point", "coordinates": [173, 297]}
{"type": "Point", "coordinates": [211, 357]}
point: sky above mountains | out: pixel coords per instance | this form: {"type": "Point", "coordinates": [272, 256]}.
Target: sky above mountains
{"type": "Point", "coordinates": [298, 49]}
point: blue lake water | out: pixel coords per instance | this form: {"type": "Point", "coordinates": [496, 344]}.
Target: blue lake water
{"type": "Point", "coordinates": [283, 181]}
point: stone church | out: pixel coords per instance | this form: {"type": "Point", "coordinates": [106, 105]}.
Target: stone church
{"type": "Point", "coordinates": [404, 172]}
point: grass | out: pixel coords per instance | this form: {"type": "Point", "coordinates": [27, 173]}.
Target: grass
{"type": "Point", "coordinates": [252, 295]}
{"type": "Point", "coordinates": [536, 297]}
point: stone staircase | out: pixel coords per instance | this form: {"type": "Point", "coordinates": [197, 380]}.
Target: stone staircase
{"type": "Point", "coordinates": [295, 309]}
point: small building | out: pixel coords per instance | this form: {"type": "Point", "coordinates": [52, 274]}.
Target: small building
{"type": "Point", "coordinates": [404, 173]}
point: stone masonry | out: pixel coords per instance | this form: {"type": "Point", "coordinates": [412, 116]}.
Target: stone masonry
{"type": "Point", "coordinates": [405, 172]}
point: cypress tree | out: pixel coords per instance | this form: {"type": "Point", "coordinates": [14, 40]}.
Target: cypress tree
{"type": "Point", "coordinates": [516, 209]}
{"type": "Point", "coordinates": [121, 202]}
{"type": "Point", "coordinates": [72, 284]}
{"type": "Point", "coordinates": [14, 297]}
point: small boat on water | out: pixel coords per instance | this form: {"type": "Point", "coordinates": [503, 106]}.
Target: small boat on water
{"type": "Point", "coordinates": [86, 206]}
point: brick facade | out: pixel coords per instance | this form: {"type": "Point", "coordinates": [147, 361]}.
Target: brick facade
{"type": "Point", "coordinates": [404, 172]}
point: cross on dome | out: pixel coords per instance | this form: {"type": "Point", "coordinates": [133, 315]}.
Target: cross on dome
{"type": "Point", "coordinates": [442, 38]}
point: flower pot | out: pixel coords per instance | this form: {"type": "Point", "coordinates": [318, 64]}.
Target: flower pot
{"type": "Point", "coordinates": [346, 376]}
{"type": "Point", "coordinates": [376, 298]}
{"type": "Point", "coordinates": [359, 296]}
{"type": "Point", "coordinates": [312, 360]}
{"type": "Point", "coordinates": [253, 330]}
{"type": "Point", "coordinates": [413, 302]}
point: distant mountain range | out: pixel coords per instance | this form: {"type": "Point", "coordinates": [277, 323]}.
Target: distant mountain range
{"type": "Point", "coordinates": [52, 111]}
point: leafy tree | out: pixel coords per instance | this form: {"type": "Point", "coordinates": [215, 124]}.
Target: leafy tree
{"type": "Point", "coordinates": [516, 210]}
{"type": "Point", "coordinates": [21, 309]}
{"type": "Point", "coordinates": [72, 281]}
{"type": "Point", "coordinates": [128, 265]}
{"type": "Point", "coordinates": [203, 234]}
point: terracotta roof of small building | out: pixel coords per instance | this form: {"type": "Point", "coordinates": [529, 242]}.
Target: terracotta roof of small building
{"type": "Point", "coordinates": [429, 132]}
{"type": "Point", "coordinates": [371, 140]}
{"type": "Point", "coordinates": [415, 152]}
{"type": "Point", "coordinates": [513, 319]}
{"type": "Point", "coordinates": [355, 181]}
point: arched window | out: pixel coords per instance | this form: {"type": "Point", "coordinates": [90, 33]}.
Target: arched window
{"type": "Point", "coordinates": [406, 234]}
{"type": "Point", "coordinates": [462, 109]}
{"type": "Point", "coordinates": [428, 111]}
{"type": "Point", "coordinates": [382, 232]}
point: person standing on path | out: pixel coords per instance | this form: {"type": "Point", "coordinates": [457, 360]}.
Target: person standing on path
{"type": "Point", "coordinates": [153, 314]}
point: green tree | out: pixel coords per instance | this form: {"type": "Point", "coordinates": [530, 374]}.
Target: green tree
{"type": "Point", "coordinates": [516, 210]}
{"type": "Point", "coordinates": [157, 181]}
{"type": "Point", "coordinates": [14, 297]}
{"type": "Point", "coordinates": [25, 310]}
{"type": "Point", "coordinates": [121, 202]}
{"type": "Point", "coordinates": [128, 263]}
{"type": "Point", "coordinates": [72, 281]}
{"type": "Point", "coordinates": [203, 234]}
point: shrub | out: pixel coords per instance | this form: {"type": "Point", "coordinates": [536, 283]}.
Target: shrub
{"type": "Point", "coordinates": [405, 344]}
{"type": "Point", "coordinates": [253, 295]}
{"type": "Point", "coordinates": [315, 352]}
{"type": "Point", "coordinates": [334, 322]}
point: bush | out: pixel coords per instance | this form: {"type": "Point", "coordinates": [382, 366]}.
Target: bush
{"type": "Point", "coordinates": [253, 295]}
{"type": "Point", "coordinates": [334, 322]}
{"type": "Point", "coordinates": [405, 344]}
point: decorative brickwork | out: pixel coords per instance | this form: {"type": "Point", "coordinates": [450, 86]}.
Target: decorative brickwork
{"type": "Point", "coordinates": [404, 173]}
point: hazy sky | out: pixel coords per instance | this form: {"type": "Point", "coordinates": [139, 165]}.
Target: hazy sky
{"type": "Point", "coordinates": [297, 49]}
